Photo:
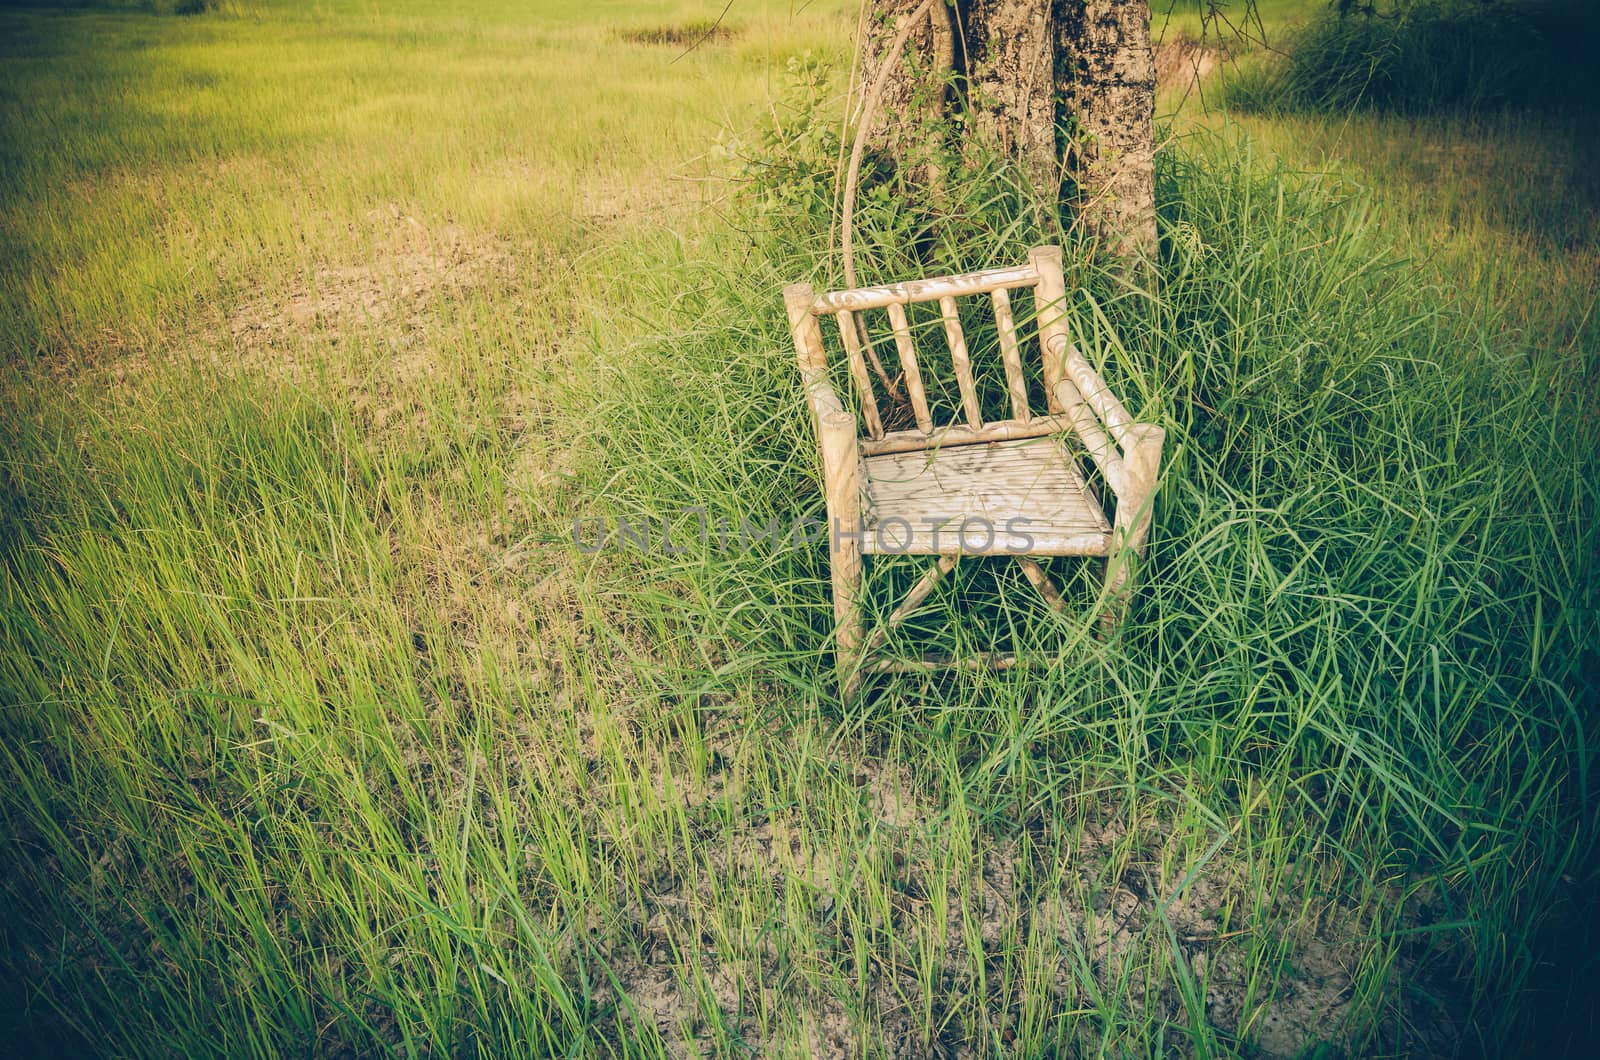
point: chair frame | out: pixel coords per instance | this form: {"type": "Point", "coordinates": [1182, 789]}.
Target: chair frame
{"type": "Point", "coordinates": [1082, 409]}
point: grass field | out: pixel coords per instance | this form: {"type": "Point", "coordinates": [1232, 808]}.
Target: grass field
{"type": "Point", "coordinates": [322, 324]}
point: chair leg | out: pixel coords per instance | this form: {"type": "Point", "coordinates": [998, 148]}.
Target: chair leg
{"type": "Point", "coordinates": [1117, 591]}
{"type": "Point", "coordinates": [1041, 581]}
{"type": "Point", "coordinates": [1142, 460]}
{"type": "Point", "coordinates": [849, 627]}
{"type": "Point", "coordinates": [919, 592]}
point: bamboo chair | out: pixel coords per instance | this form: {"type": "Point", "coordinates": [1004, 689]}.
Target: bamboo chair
{"type": "Point", "coordinates": [887, 492]}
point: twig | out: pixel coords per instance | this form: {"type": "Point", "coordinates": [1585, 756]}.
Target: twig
{"type": "Point", "coordinates": [852, 178]}
{"type": "Point", "coordinates": [707, 35]}
{"type": "Point", "coordinates": [834, 208]}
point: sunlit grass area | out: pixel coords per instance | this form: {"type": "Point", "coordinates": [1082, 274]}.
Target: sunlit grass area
{"type": "Point", "coordinates": [160, 170]}
{"type": "Point", "coordinates": [322, 735]}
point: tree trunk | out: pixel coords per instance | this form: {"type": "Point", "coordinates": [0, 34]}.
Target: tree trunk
{"type": "Point", "coordinates": [1064, 87]}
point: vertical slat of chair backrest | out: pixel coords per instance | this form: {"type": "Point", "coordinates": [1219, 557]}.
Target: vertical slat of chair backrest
{"type": "Point", "coordinates": [908, 365]}
{"type": "Point", "coordinates": [872, 354]}
{"type": "Point", "coordinates": [858, 372]}
{"type": "Point", "coordinates": [1009, 353]}
{"type": "Point", "coordinates": [963, 362]}
{"type": "Point", "coordinates": [1050, 299]}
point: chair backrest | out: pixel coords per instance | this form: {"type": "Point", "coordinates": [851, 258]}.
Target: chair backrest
{"type": "Point", "coordinates": [1041, 275]}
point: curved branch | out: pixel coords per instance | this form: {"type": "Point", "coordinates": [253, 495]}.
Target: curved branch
{"type": "Point", "coordinates": [869, 106]}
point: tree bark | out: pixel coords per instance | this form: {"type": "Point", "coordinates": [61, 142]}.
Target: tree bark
{"type": "Point", "coordinates": [1111, 92]}
{"type": "Point", "coordinates": [1064, 87]}
{"type": "Point", "coordinates": [918, 89]}
{"type": "Point", "coordinates": [1010, 83]}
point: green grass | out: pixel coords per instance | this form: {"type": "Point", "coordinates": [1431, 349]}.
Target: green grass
{"type": "Point", "coordinates": [319, 734]}
{"type": "Point", "coordinates": [131, 140]}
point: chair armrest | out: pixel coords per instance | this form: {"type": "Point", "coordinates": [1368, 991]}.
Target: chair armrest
{"type": "Point", "coordinates": [1128, 453]}
{"type": "Point", "coordinates": [1102, 450]}
{"type": "Point", "coordinates": [1141, 463]}
{"type": "Point", "coordinates": [1077, 369]}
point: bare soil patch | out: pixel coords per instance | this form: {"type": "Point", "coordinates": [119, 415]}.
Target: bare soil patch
{"type": "Point", "coordinates": [1182, 64]}
{"type": "Point", "coordinates": [1102, 905]}
{"type": "Point", "coordinates": [397, 286]}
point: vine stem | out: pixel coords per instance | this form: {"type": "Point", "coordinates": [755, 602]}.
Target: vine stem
{"type": "Point", "coordinates": [852, 177]}
{"type": "Point", "coordinates": [869, 106]}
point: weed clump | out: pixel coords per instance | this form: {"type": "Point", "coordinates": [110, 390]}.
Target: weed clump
{"type": "Point", "coordinates": [681, 34]}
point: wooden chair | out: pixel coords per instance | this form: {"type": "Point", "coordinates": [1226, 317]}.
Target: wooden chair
{"type": "Point", "coordinates": [889, 491]}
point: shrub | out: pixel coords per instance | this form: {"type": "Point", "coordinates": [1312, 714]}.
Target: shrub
{"type": "Point", "coordinates": [1433, 55]}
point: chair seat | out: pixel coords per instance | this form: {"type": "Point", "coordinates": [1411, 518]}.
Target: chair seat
{"type": "Point", "coordinates": [1022, 497]}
